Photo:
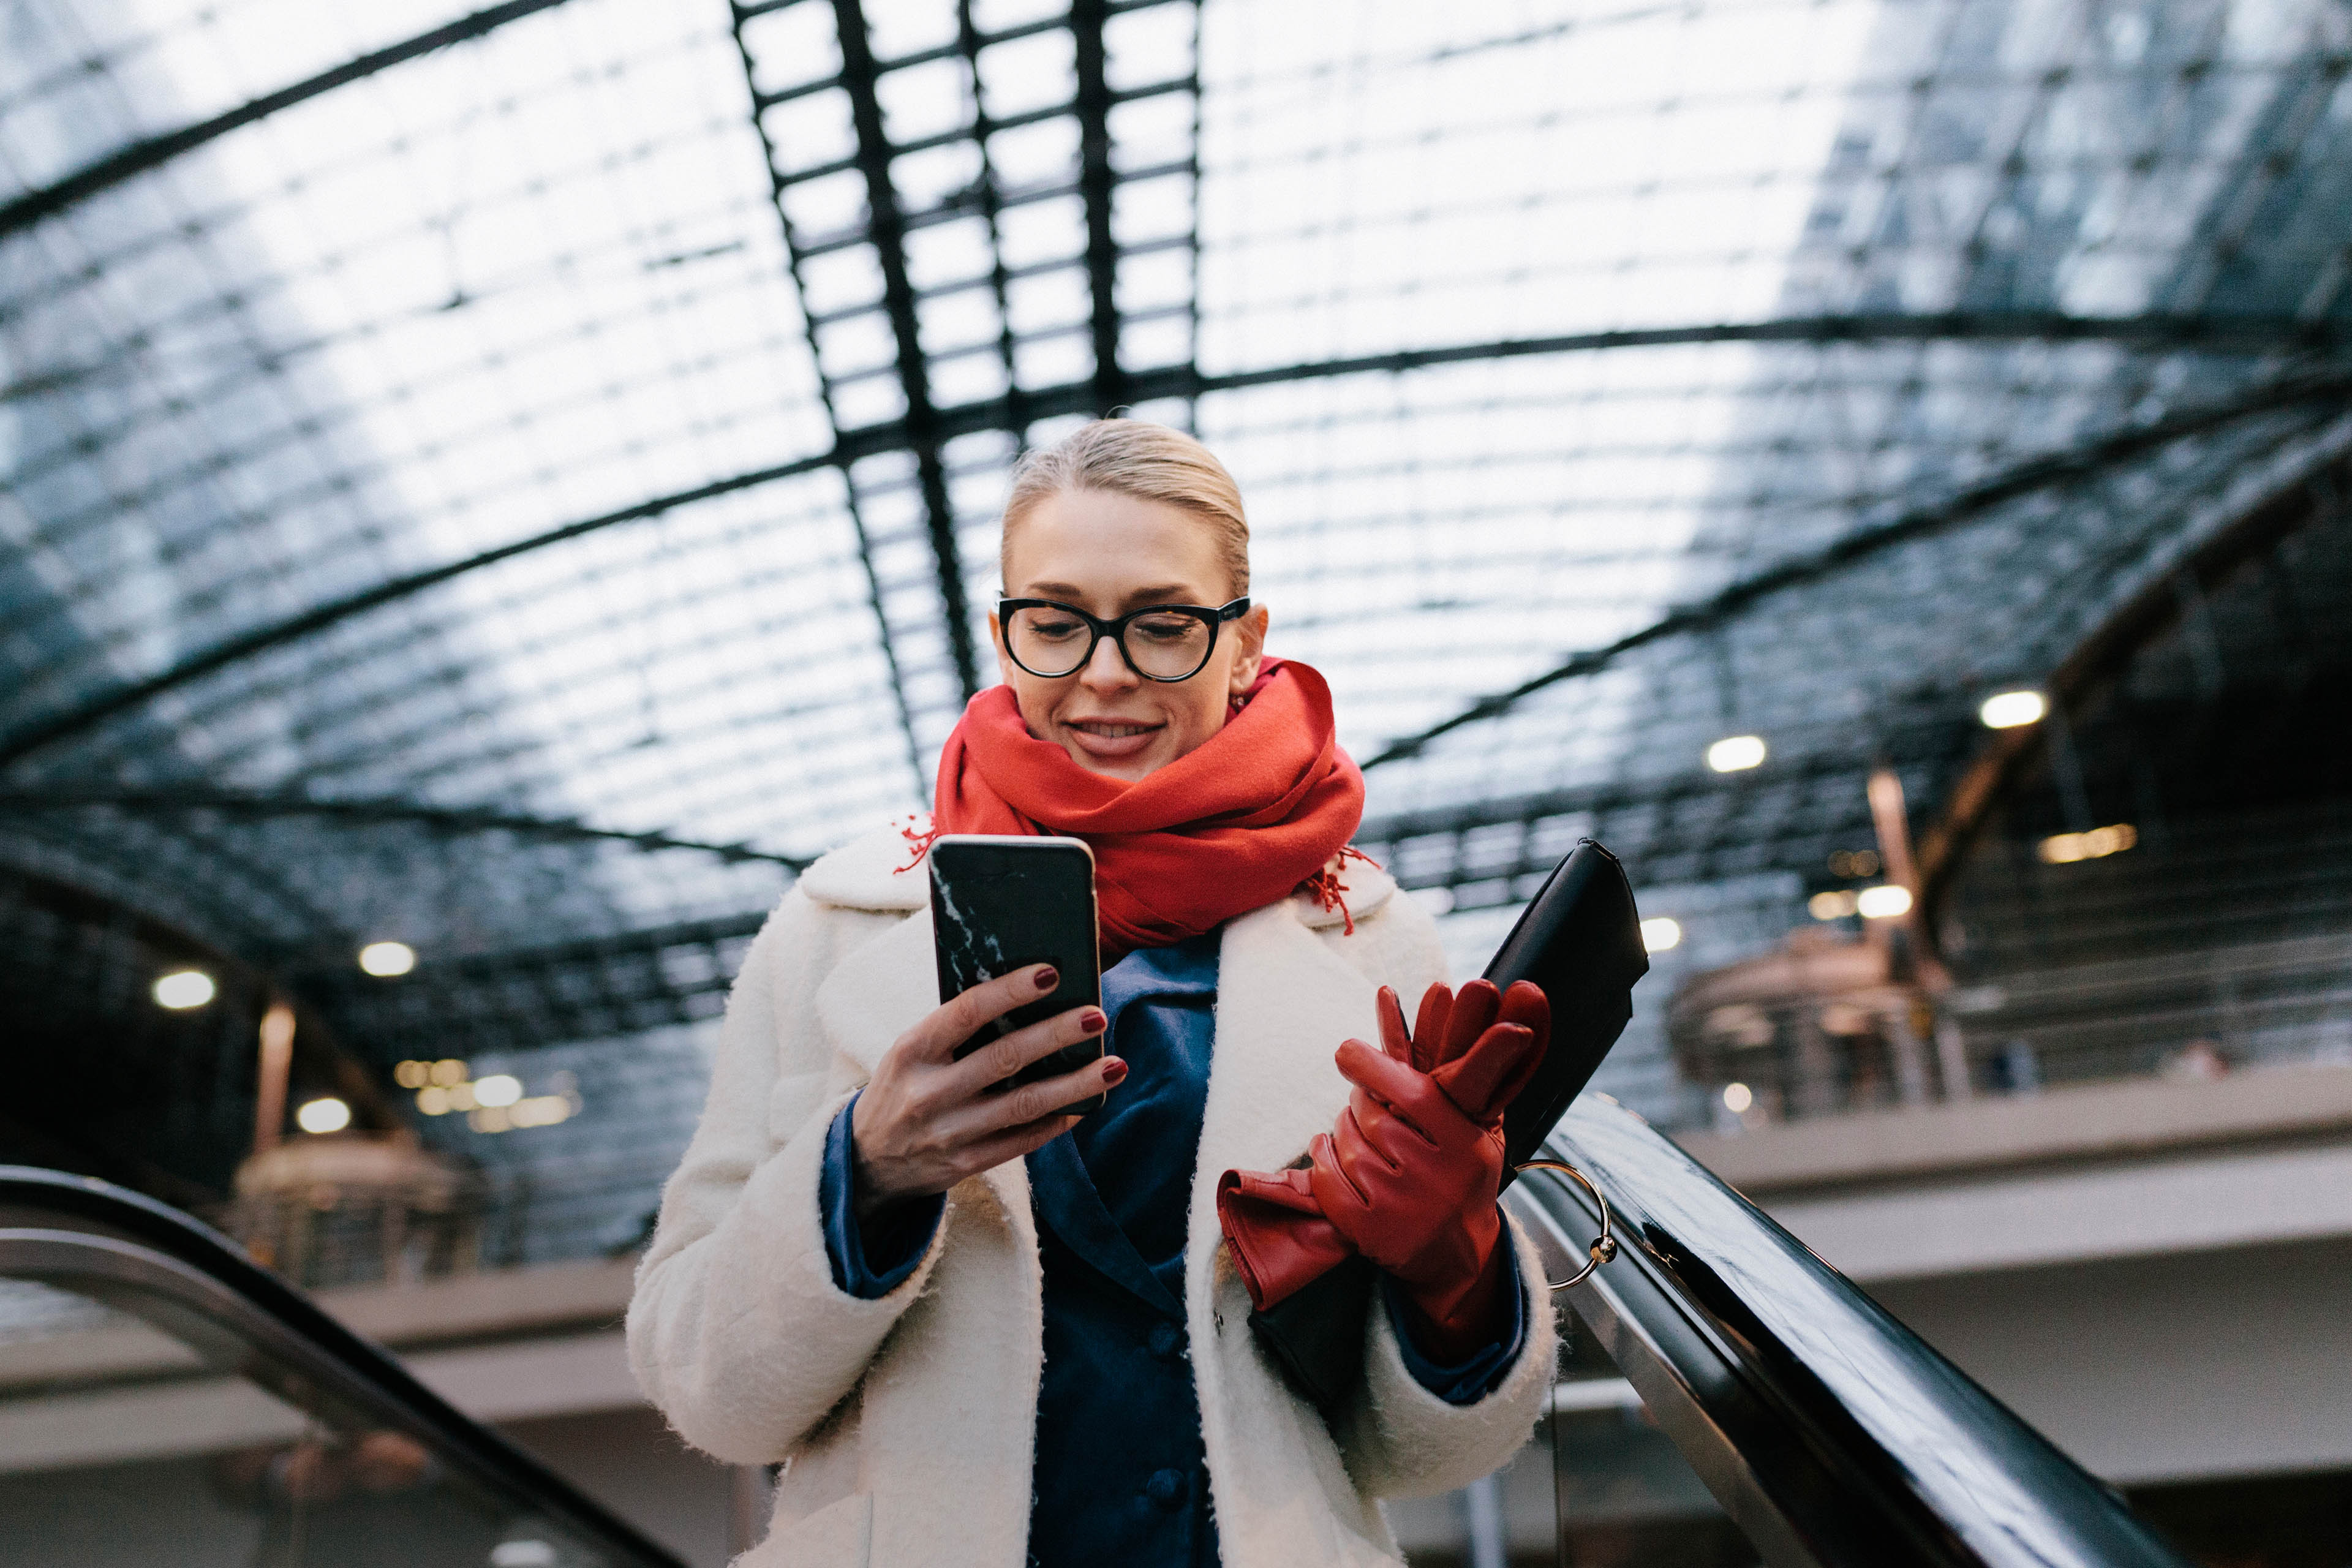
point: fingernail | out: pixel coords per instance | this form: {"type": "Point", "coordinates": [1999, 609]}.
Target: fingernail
{"type": "Point", "coordinates": [1093, 1022]}
{"type": "Point", "coordinates": [1113, 1072]}
{"type": "Point", "coordinates": [1047, 978]}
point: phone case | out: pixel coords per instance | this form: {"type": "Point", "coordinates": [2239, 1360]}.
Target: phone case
{"type": "Point", "coordinates": [1001, 902]}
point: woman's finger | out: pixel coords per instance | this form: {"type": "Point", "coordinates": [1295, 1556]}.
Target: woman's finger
{"type": "Point", "coordinates": [1429, 1029]}
{"type": "Point", "coordinates": [946, 1028]}
{"type": "Point", "coordinates": [1376, 1073]}
{"type": "Point", "coordinates": [1014, 1142]}
{"type": "Point", "coordinates": [1372, 1110]}
{"type": "Point", "coordinates": [1028, 1102]}
{"type": "Point", "coordinates": [1391, 1013]}
{"type": "Point", "coordinates": [1474, 1008]}
{"type": "Point", "coordinates": [1006, 1055]}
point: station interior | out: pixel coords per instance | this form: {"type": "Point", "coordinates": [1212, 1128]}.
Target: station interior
{"type": "Point", "coordinates": [488, 496]}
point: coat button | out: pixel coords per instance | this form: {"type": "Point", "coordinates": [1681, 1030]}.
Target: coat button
{"type": "Point", "coordinates": [1165, 1488]}
{"type": "Point", "coordinates": [1167, 1341]}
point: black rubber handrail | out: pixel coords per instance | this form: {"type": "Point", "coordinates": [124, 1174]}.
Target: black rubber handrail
{"type": "Point", "coordinates": [53, 1200]}
{"type": "Point", "coordinates": [1834, 1437]}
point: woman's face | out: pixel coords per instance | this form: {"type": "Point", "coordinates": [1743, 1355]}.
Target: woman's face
{"type": "Point", "coordinates": [1109, 554]}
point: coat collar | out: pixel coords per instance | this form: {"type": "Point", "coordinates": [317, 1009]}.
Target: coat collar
{"type": "Point", "coordinates": [1286, 998]}
{"type": "Point", "coordinates": [882, 870]}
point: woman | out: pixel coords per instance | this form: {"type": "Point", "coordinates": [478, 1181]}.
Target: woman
{"type": "Point", "coordinates": [976, 1332]}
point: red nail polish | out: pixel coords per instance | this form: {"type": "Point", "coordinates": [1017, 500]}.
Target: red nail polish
{"type": "Point", "coordinates": [1093, 1022]}
{"type": "Point", "coordinates": [1113, 1072]}
{"type": "Point", "coordinates": [1047, 978]}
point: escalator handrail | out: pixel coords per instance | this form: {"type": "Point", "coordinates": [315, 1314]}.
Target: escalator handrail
{"type": "Point", "coordinates": [1832, 1434]}
{"type": "Point", "coordinates": [35, 1196]}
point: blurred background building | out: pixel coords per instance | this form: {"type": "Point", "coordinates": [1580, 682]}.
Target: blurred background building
{"type": "Point", "coordinates": [487, 496]}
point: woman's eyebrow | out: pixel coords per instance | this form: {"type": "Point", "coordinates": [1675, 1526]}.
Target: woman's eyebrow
{"type": "Point", "coordinates": [1069, 592]}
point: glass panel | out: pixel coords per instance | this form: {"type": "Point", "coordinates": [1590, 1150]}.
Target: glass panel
{"type": "Point", "coordinates": [1597, 1486]}
{"type": "Point", "coordinates": [133, 1434]}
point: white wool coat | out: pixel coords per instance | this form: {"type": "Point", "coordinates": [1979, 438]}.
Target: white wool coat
{"type": "Point", "coordinates": [906, 1424]}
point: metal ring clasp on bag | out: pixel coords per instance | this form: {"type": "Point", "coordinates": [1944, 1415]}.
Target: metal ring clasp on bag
{"type": "Point", "coordinates": [1604, 1246]}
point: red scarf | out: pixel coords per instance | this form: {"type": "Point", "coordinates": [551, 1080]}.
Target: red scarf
{"type": "Point", "coordinates": [1256, 811]}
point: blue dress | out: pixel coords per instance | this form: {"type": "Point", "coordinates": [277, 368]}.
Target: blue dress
{"type": "Point", "coordinates": [1120, 1474]}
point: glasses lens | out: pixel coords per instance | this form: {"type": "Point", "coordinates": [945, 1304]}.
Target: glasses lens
{"type": "Point", "coordinates": [1047, 641]}
{"type": "Point", "coordinates": [1169, 647]}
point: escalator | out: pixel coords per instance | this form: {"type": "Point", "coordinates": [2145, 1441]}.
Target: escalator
{"type": "Point", "coordinates": [164, 1400]}
{"type": "Point", "coordinates": [1827, 1434]}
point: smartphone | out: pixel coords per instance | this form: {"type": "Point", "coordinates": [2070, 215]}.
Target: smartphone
{"type": "Point", "coordinates": [1581, 942]}
{"type": "Point", "coordinates": [1000, 903]}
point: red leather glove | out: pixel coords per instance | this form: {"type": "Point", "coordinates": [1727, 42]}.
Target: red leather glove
{"type": "Point", "coordinates": [1279, 1240]}
{"type": "Point", "coordinates": [1409, 1173]}
{"type": "Point", "coordinates": [1274, 1226]}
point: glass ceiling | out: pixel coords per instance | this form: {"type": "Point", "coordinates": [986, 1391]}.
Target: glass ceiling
{"type": "Point", "coordinates": [520, 481]}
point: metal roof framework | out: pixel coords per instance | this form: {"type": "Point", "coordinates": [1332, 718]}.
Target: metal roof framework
{"type": "Point", "coordinates": [521, 480]}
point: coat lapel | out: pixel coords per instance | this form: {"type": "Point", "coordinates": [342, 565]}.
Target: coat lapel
{"type": "Point", "coordinates": [880, 991]}
{"type": "Point", "coordinates": [1285, 1001]}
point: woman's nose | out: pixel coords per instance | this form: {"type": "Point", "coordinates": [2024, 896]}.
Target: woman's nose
{"type": "Point", "coordinates": [1106, 670]}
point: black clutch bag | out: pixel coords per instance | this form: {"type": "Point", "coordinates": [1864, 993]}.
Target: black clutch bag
{"type": "Point", "coordinates": [1580, 940]}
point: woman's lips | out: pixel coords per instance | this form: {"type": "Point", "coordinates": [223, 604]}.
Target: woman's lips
{"type": "Point", "coordinates": [1111, 740]}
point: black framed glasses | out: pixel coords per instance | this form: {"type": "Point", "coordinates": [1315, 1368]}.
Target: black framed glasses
{"type": "Point", "coordinates": [1160, 642]}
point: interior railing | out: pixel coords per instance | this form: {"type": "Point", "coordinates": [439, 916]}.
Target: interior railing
{"type": "Point", "coordinates": [1832, 1435]}
{"type": "Point", "coordinates": [1828, 1433]}
{"type": "Point", "coordinates": [198, 1409]}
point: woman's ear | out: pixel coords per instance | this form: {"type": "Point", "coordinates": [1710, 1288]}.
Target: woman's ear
{"type": "Point", "coordinates": [1003, 659]}
{"type": "Point", "coordinates": [1250, 634]}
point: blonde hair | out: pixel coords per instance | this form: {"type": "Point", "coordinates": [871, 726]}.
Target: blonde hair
{"type": "Point", "coordinates": [1135, 457]}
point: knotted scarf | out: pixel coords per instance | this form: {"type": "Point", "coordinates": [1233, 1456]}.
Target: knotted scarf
{"type": "Point", "coordinates": [1257, 811]}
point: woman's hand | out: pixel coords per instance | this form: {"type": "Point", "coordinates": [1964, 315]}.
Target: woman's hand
{"type": "Point", "coordinates": [1410, 1172]}
{"type": "Point", "coordinates": [928, 1120]}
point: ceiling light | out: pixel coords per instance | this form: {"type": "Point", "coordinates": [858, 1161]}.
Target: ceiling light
{"type": "Point", "coordinates": [540, 1111]}
{"type": "Point", "coordinates": [324, 1115]}
{"type": "Point", "coordinates": [412, 1075]}
{"type": "Point", "coordinates": [1659, 933]}
{"type": "Point", "coordinates": [386, 959]}
{"type": "Point", "coordinates": [2065, 848]}
{"type": "Point", "coordinates": [1884, 901]}
{"type": "Point", "coordinates": [446, 1072]}
{"type": "Point", "coordinates": [499, 1089]}
{"type": "Point", "coordinates": [183, 989]}
{"type": "Point", "coordinates": [1833, 905]}
{"type": "Point", "coordinates": [1737, 1097]}
{"type": "Point", "coordinates": [2009, 709]}
{"type": "Point", "coordinates": [1734, 752]}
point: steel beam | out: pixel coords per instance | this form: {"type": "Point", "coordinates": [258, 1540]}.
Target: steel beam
{"type": "Point", "coordinates": [886, 230]}
{"type": "Point", "coordinates": [1973, 503]}
{"type": "Point", "coordinates": [2247, 333]}
{"type": "Point", "coordinates": [1088, 18]}
{"type": "Point", "coordinates": [154, 152]}
{"type": "Point", "coordinates": [440, 819]}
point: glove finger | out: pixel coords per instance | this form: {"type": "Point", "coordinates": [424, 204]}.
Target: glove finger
{"type": "Point", "coordinates": [1389, 1135]}
{"type": "Point", "coordinates": [1482, 1082]}
{"type": "Point", "coordinates": [1336, 1192]}
{"type": "Point", "coordinates": [1429, 1029]}
{"type": "Point", "coordinates": [1473, 1011]}
{"type": "Point", "coordinates": [1386, 1079]}
{"type": "Point", "coordinates": [1393, 1039]}
{"type": "Point", "coordinates": [1526, 1005]}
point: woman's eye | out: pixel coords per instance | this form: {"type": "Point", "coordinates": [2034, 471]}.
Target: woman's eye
{"type": "Point", "coordinates": [1168, 628]}
{"type": "Point", "coordinates": [1054, 629]}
